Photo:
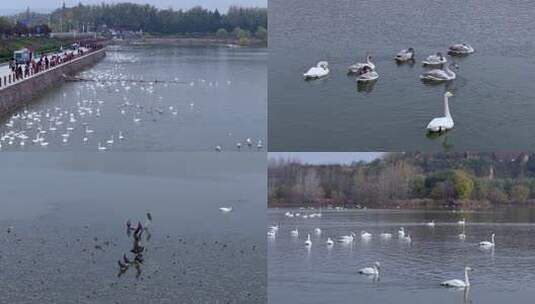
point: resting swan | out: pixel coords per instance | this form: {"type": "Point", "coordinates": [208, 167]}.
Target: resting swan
{"type": "Point", "coordinates": [456, 283]}
{"type": "Point", "coordinates": [405, 55]}
{"type": "Point", "coordinates": [367, 75]}
{"type": "Point", "coordinates": [461, 49]}
{"type": "Point", "coordinates": [308, 242]}
{"type": "Point", "coordinates": [319, 71]}
{"type": "Point", "coordinates": [374, 270]}
{"type": "Point", "coordinates": [436, 59]}
{"type": "Point", "coordinates": [440, 75]}
{"type": "Point", "coordinates": [440, 124]}
{"type": "Point", "coordinates": [357, 67]}
{"type": "Point", "coordinates": [347, 238]}
{"type": "Point", "coordinates": [487, 244]}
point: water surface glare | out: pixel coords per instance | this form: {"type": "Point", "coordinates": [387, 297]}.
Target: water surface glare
{"type": "Point", "coordinates": [410, 272]}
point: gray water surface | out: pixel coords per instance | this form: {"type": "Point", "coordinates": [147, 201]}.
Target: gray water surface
{"type": "Point", "coordinates": [68, 214]}
{"type": "Point", "coordinates": [493, 106]}
{"type": "Point", "coordinates": [182, 98]}
{"type": "Point", "coordinates": [411, 273]}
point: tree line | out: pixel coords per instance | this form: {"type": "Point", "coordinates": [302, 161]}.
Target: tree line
{"type": "Point", "coordinates": [147, 18]}
{"type": "Point", "coordinates": [451, 179]}
{"type": "Point", "coordinates": [10, 28]}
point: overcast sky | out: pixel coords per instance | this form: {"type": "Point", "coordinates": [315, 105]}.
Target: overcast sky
{"type": "Point", "coordinates": [327, 157]}
{"type": "Point", "coordinates": [48, 5]}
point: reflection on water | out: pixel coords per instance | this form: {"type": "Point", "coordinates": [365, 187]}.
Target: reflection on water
{"type": "Point", "coordinates": [69, 237]}
{"type": "Point", "coordinates": [150, 98]}
{"type": "Point", "coordinates": [410, 272]}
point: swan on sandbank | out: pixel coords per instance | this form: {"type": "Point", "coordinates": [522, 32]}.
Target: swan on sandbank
{"type": "Point", "coordinates": [456, 283]}
{"type": "Point", "coordinates": [461, 49]}
{"type": "Point", "coordinates": [359, 66]}
{"type": "Point", "coordinates": [320, 70]}
{"type": "Point", "coordinates": [225, 209]}
{"type": "Point", "coordinates": [444, 123]}
{"type": "Point", "coordinates": [436, 59]}
{"type": "Point", "coordinates": [405, 55]}
{"type": "Point", "coordinates": [487, 244]}
{"type": "Point", "coordinates": [308, 242]}
{"type": "Point", "coordinates": [440, 75]}
{"type": "Point", "coordinates": [373, 270]}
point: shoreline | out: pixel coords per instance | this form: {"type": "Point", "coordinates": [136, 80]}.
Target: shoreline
{"type": "Point", "coordinates": [189, 41]}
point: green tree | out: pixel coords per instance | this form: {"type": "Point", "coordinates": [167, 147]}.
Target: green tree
{"type": "Point", "coordinates": [261, 33]}
{"type": "Point", "coordinates": [520, 193]}
{"type": "Point", "coordinates": [221, 33]}
{"type": "Point", "coordinates": [463, 184]}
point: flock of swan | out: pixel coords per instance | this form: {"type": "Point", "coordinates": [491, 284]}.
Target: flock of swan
{"type": "Point", "coordinates": [402, 235]}
{"type": "Point", "coordinates": [438, 71]}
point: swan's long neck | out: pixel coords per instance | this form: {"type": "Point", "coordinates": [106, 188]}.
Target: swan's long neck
{"type": "Point", "coordinates": [446, 107]}
{"type": "Point", "coordinates": [492, 239]}
{"type": "Point", "coordinates": [466, 281]}
{"type": "Point", "coordinates": [368, 60]}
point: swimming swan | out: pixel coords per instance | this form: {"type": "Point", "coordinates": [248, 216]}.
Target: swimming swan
{"type": "Point", "coordinates": [308, 242]}
{"type": "Point", "coordinates": [359, 66]}
{"type": "Point", "coordinates": [440, 124]}
{"type": "Point", "coordinates": [487, 244]}
{"type": "Point", "coordinates": [461, 49]}
{"type": "Point", "coordinates": [365, 235]}
{"type": "Point", "coordinates": [368, 75]}
{"type": "Point", "coordinates": [401, 232]}
{"type": "Point", "coordinates": [374, 270]}
{"type": "Point", "coordinates": [319, 71]}
{"type": "Point", "coordinates": [405, 55]}
{"type": "Point", "coordinates": [436, 59]}
{"type": "Point", "coordinates": [456, 283]}
{"type": "Point", "coordinates": [431, 223]}
{"type": "Point", "coordinates": [462, 222]}
{"type": "Point", "coordinates": [329, 242]}
{"type": "Point", "coordinates": [295, 232]}
{"type": "Point", "coordinates": [439, 75]}
{"type": "Point", "coordinates": [347, 238]}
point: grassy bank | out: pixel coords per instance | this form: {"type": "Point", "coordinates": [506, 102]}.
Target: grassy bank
{"type": "Point", "coordinates": [40, 44]}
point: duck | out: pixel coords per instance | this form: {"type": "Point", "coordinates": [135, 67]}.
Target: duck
{"type": "Point", "coordinates": [440, 75]}
{"type": "Point", "coordinates": [436, 59]}
{"type": "Point", "coordinates": [329, 242]}
{"type": "Point", "coordinates": [373, 270]}
{"type": "Point", "coordinates": [359, 66]}
{"type": "Point", "coordinates": [405, 55]}
{"type": "Point", "coordinates": [308, 242]}
{"type": "Point", "coordinates": [444, 123]}
{"type": "Point", "coordinates": [456, 283]}
{"type": "Point", "coordinates": [319, 71]}
{"type": "Point", "coordinates": [225, 209]}
{"type": "Point", "coordinates": [487, 244]}
{"type": "Point", "coordinates": [461, 49]}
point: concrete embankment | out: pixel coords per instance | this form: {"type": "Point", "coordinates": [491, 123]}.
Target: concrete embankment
{"type": "Point", "coordinates": [19, 94]}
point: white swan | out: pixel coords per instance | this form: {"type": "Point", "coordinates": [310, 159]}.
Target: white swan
{"type": "Point", "coordinates": [456, 283]}
{"type": "Point", "coordinates": [319, 71]}
{"type": "Point", "coordinates": [365, 235]}
{"type": "Point", "coordinates": [386, 235]}
{"type": "Point", "coordinates": [462, 222]}
{"type": "Point", "coordinates": [329, 242]}
{"type": "Point", "coordinates": [444, 123]}
{"type": "Point", "coordinates": [462, 236]}
{"type": "Point", "coordinates": [407, 238]}
{"type": "Point", "coordinates": [101, 147]}
{"type": "Point", "coordinates": [374, 270]}
{"type": "Point", "coordinates": [369, 75]}
{"type": "Point", "coordinates": [401, 232]}
{"type": "Point", "coordinates": [347, 238]}
{"type": "Point", "coordinates": [295, 232]}
{"type": "Point", "coordinates": [317, 231]}
{"type": "Point", "coordinates": [225, 209]}
{"type": "Point", "coordinates": [357, 67]}
{"type": "Point", "coordinates": [271, 233]}
{"type": "Point", "coordinates": [439, 75]}
{"type": "Point", "coordinates": [487, 244]}
{"type": "Point", "coordinates": [308, 242]}
{"type": "Point", "coordinates": [431, 223]}
{"type": "Point", "coordinates": [436, 59]}
{"type": "Point", "coordinates": [461, 49]}
{"type": "Point", "coordinates": [405, 55]}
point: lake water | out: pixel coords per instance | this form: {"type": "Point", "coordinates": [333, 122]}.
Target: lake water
{"type": "Point", "coordinates": [493, 104]}
{"type": "Point", "coordinates": [410, 273]}
{"type": "Point", "coordinates": [68, 214]}
{"type": "Point", "coordinates": [160, 98]}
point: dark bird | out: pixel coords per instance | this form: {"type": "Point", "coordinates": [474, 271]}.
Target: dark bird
{"type": "Point", "coordinates": [149, 216]}
{"type": "Point", "coordinates": [126, 260]}
{"type": "Point", "coordinates": [122, 266]}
